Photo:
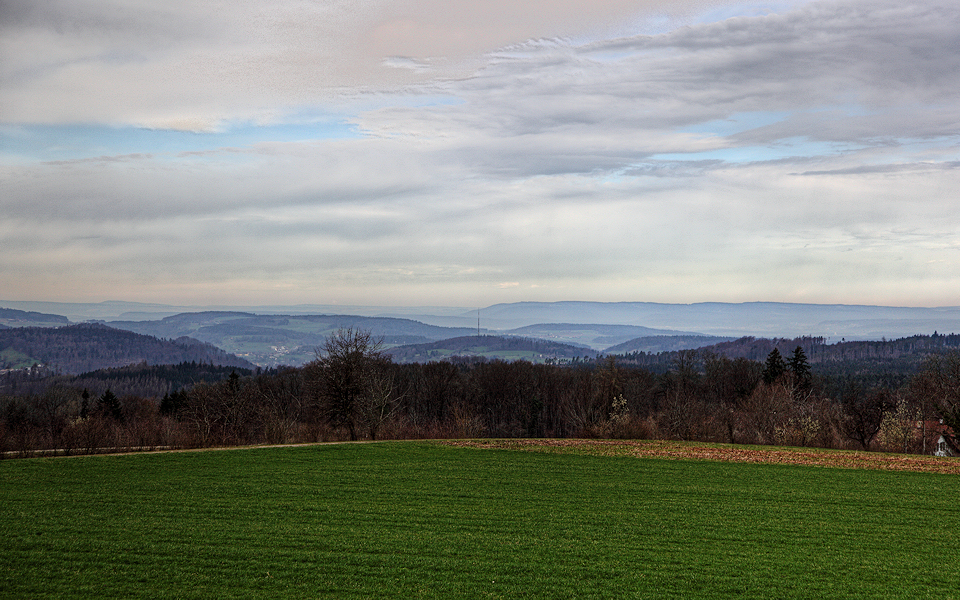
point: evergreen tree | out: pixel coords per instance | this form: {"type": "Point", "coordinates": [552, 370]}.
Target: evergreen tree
{"type": "Point", "coordinates": [171, 403]}
{"type": "Point", "coordinates": [774, 367]}
{"type": "Point", "coordinates": [84, 404]}
{"type": "Point", "coordinates": [109, 405]}
{"type": "Point", "coordinates": [801, 372]}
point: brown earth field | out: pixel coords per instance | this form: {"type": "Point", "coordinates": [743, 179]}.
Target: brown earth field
{"type": "Point", "coordinates": [841, 459]}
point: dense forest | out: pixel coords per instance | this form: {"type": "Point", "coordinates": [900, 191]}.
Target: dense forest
{"type": "Point", "coordinates": [354, 390]}
{"type": "Point", "coordinates": [87, 347]}
{"type": "Point", "coordinates": [144, 380]}
{"type": "Point", "coordinates": [873, 361]}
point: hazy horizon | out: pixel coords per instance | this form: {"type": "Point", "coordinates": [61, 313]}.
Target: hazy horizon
{"type": "Point", "coordinates": [761, 319]}
{"type": "Point", "coordinates": [445, 307]}
{"type": "Point", "coordinates": [392, 153]}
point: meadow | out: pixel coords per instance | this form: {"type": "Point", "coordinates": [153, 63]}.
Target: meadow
{"type": "Point", "coordinates": [424, 520]}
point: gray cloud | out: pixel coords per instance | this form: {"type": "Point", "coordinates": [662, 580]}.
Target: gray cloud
{"type": "Point", "coordinates": [196, 65]}
{"type": "Point", "coordinates": [899, 168]}
{"type": "Point", "coordinates": [807, 155]}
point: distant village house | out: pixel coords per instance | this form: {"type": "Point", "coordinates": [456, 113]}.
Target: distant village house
{"type": "Point", "coordinates": [944, 447]}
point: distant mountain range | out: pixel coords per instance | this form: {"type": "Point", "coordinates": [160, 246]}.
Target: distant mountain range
{"type": "Point", "coordinates": [114, 310]}
{"type": "Point", "coordinates": [272, 335]}
{"type": "Point", "coordinates": [769, 319]}
{"type": "Point", "coordinates": [272, 340]}
{"type": "Point", "coordinates": [713, 318]}
{"type": "Point", "coordinates": [90, 347]}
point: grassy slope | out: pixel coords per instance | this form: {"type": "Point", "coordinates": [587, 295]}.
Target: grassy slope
{"type": "Point", "coordinates": [11, 359]}
{"type": "Point", "coordinates": [412, 520]}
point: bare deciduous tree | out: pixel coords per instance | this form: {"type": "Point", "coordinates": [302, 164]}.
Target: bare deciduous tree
{"type": "Point", "coordinates": [345, 375]}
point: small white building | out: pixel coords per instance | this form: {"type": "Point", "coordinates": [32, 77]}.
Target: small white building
{"type": "Point", "coordinates": [943, 447]}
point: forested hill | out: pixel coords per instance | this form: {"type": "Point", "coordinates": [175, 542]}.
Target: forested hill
{"type": "Point", "coordinates": [914, 347]}
{"type": "Point", "coordinates": [19, 318]}
{"type": "Point", "coordinates": [139, 380]}
{"type": "Point", "coordinates": [272, 340]}
{"type": "Point", "coordinates": [87, 347]}
{"type": "Point", "coordinates": [891, 359]}
{"type": "Point", "coordinates": [490, 347]}
{"type": "Point", "coordinates": [666, 343]}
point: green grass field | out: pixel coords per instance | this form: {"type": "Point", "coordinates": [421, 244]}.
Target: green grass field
{"type": "Point", "coordinates": [417, 520]}
{"type": "Point", "coordinates": [11, 359]}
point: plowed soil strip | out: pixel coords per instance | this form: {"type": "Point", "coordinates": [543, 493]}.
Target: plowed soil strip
{"type": "Point", "coordinates": [841, 459]}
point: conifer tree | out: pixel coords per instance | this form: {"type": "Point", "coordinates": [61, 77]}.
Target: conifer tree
{"type": "Point", "coordinates": [109, 405]}
{"type": "Point", "coordinates": [84, 403]}
{"type": "Point", "coordinates": [801, 372]}
{"type": "Point", "coordinates": [774, 367]}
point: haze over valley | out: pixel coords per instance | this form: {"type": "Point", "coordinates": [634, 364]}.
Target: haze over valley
{"type": "Point", "coordinates": [272, 336]}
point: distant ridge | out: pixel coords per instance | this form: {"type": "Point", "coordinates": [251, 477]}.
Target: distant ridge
{"type": "Point", "coordinates": [581, 322]}
{"type": "Point", "coordinates": [273, 340]}
{"type": "Point", "coordinates": [592, 335]}
{"type": "Point", "coordinates": [13, 316]}
{"type": "Point", "coordinates": [770, 319]}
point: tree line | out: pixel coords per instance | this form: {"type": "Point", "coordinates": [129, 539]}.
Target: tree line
{"type": "Point", "coordinates": [353, 390]}
{"type": "Point", "coordinates": [900, 355]}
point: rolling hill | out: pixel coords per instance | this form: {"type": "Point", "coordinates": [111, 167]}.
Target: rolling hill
{"type": "Point", "coordinates": [666, 343]}
{"type": "Point", "coordinates": [490, 347]}
{"type": "Point", "coordinates": [594, 336]}
{"type": "Point", "coordinates": [272, 340]}
{"type": "Point", "coordinates": [11, 317]}
{"type": "Point", "coordinates": [75, 349]}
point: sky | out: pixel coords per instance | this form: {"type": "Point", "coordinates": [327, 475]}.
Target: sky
{"type": "Point", "coordinates": [464, 153]}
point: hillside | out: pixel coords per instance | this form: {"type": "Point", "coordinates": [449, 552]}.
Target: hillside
{"type": "Point", "coordinates": [80, 348]}
{"type": "Point", "coordinates": [913, 348]}
{"type": "Point", "coordinates": [666, 343]}
{"type": "Point", "coordinates": [10, 317]}
{"type": "Point", "coordinates": [272, 340]}
{"type": "Point", "coordinates": [592, 335]}
{"type": "Point", "coordinates": [885, 362]}
{"type": "Point", "coordinates": [489, 347]}
{"type": "Point", "coordinates": [140, 380]}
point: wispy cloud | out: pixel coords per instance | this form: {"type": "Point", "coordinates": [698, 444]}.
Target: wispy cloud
{"type": "Point", "coordinates": [399, 153]}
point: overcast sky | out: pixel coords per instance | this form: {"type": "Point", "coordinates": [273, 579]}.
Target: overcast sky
{"type": "Point", "coordinates": [456, 152]}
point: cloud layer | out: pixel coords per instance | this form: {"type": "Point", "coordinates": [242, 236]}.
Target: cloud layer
{"type": "Point", "coordinates": [612, 151]}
